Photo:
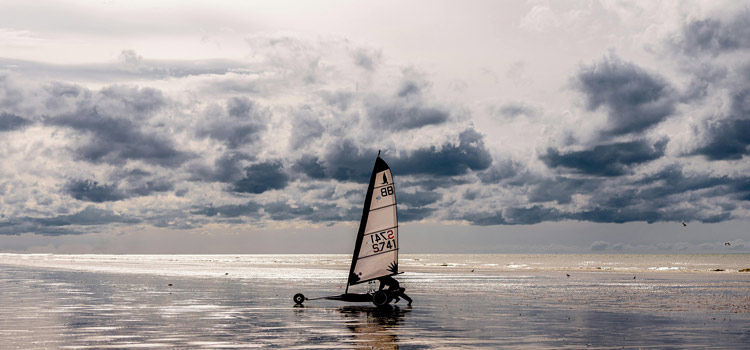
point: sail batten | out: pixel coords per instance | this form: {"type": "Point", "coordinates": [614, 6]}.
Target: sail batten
{"type": "Point", "coordinates": [367, 256]}
{"type": "Point", "coordinates": [373, 232]}
{"type": "Point", "coordinates": [376, 248]}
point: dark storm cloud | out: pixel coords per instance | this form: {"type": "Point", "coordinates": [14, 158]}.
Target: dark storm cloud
{"type": "Point", "coordinates": [620, 199]}
{"type": "Point", "coordinates": [470, 195]}
{"type": "Point", "coordinates": [728, 138]}
{"type": "Point", "coordinates": [559, 189]}
{"type": "Point", "coordinates": [648, 213]}
{"type": "Point", "coordinates": [227, 168]}
{"type": "Point", "coordinates": [310, 166]}
{"type": "Point", "coordinates": [514, 216]}
{"type": "Point", "coordinates": [128, 184]}
{"type": "Point", "coordinates": [112, 118]}
{"type": "Point", "coordinates": [241, 107]}
{"type": "Point", "coordinates": [411, 87]}
{"type": "Point", "coordinates": [406, 110]}
{"type": "Point", "coordinates": [88, 216]}
{"type": "Point", "coordinates": [667, 195]}
{"type": "Point", "coordinates": [485, 219]}
{"type": "Point", "coordinates": [92, 191]}
{"type": "Point", "coordinates": [131, 174]}
{"type": "Point", "coordinates": [618, 215]}
{"type": "Point", "coordinates": [150, 187]}
{"type": "Point", "coordinates": [174, 220]}
{"type": "Point", "coordinates": [418, 199]}
{"type": "Point", "coordinates": [537, 214]}
{"type": "Point", "coordinates": [662, 196]}
{"type": "Point", "coordinates": [17, 227]}
{"type": "Point", "coordinates": [613, 159]}
{"type": "Point", "coordinates": [715, 36]}
{"type": "Point", "coordinates": [128, 100]}
{"type": "Point", "coordinates": [449, 159]}
{"type": "Point", "coordinates": [414, 205]}
{"type": "Point", "coordinates": [279, 211]}
{"type": "Point", "coordinates": [695, 214]}
{"type": "Point", "coordinates": [741, 189]}
{"type": "Point", "coordinates": [672, 180]}
{"type": "Point", "coordinates": [414, 214]}
{"type": "Point", "coordinates": [116, 140]}
{"type": "Point", "coordinates": [725, 135]}
{"type": "Point", "coordinates": [313, 212]}
{"type": "Point", "coordinates": [514, 109]}
{"type": "Point", "coordinates": [243, 123]}
{"type": "Point", "coordinates": [10, 122]}
{"type": "Point", "coordinates": [262, 177]}
{"type": "Point", "coordinates": [345, 161]}
{"type": "Point", "coordinates": [60, 96]}
{"type": "Point", "coordinates": [531, 215]}
{"type": "Point", "coordinates": [634, 99]}
{"type": "Point", "coordinates": [399, 115]}
{"type": "Point", "coordinates": [501, 170]}
{"type": "Point", "coordinates": [64, 224]}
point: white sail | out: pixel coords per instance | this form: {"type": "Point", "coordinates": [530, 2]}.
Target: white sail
{"type": "Point", "coordinates": [376, 250]}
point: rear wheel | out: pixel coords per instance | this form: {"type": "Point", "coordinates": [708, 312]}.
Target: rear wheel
{"type": "Point", "coordinates": [299, 298]}
{"type": "Point", "coordinates": [380, 298]}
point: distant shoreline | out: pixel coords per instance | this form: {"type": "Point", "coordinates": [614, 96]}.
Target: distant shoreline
{"type": "Point", "coordinates": [238, 264]}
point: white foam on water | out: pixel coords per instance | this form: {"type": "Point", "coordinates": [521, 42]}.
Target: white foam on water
{"type": "Point", "coordinates": [516, 266]}
{"type": "Point", "coordinates": [666, 268]}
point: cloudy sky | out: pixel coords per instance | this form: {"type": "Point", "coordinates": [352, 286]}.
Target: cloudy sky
{"type": "Point", "coordinates": [251, 127]}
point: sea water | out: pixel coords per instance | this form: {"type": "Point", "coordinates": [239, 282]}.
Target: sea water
{"type": "Point", "coordinates": [461, 301]}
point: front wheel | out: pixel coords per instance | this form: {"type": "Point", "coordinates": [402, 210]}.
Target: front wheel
{"type": "Point", "coordinates": [299, 298]}
{"type": "Point", "coordinates": [380, 298]}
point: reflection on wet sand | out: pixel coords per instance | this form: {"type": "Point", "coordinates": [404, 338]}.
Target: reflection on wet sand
{"type": "Point", "coordinates": [45, 308]}
{"type": "Point", "coordinates": [374, 327]}
{"type": "Point", "coordinates": [358, 326]}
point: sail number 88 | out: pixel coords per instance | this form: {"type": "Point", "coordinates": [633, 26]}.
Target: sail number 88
{"type": "Point", "coordinates": [386, 191]}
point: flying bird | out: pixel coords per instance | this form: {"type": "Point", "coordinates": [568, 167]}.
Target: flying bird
{"type": "Point", "coordinates": [727, 243]}
{"type": "Point", "coordinates": [684, 224]}
{"type": "Point", "coordinates": [568, 275]}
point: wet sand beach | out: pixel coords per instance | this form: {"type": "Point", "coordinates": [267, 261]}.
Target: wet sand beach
{"type": "Point", "coordinates": [229, 302]}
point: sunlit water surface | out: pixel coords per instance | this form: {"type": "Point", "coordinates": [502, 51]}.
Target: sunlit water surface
{"type": "Point", "coordinates": [461, 301]}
